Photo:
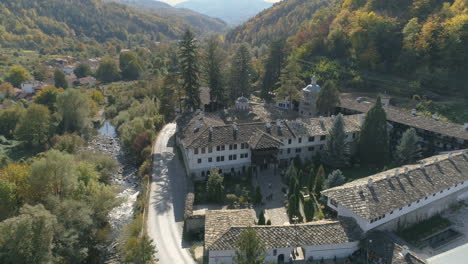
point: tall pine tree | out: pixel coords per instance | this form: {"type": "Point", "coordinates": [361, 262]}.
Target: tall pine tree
{"type": "Point", "coordinates": [273, 66]}
{"type": "Point", "coordinates": [328, 98]}
{"type": "Point", "coordinates": [290, 83]}
{"type": "Point", "coordinates": [373, 140]}
{"type": "Point", "coordinates": [319, 179]}
{"type": "Point", "coordinates": [213, 70]}
{"type": "Point", "coordinates": [408, 150]}
{"type": "Point", "coordinates": [241, 75]}
{"type": "Point", "coordinates": [336, 149]}
{"type": "Point", "coordinates": [188, 58]}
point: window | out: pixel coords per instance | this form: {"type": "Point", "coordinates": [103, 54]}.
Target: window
{"type": "Point", "coordinates": [289, 141]}
{"type": "Point", "coordinates": [218, 159]}
{"type": "Point", "coordinates": [298, 150]}
{"type": "Point", "coordinates": [230, 147]}
{"type": "Point", "coordinates": [246, 155]}
{"type": "Point", "coordinates": [442, 191]}
{"type": "Point", "coordinates": [289, 150]}
{"type": "Point", "coordinates": [425, 198]}
{"type": "Point", "coordinates": [203, 150]}
{"type": "Point", "coordinates": [222, 158]}
{"type": "Point", "coordinates": [235, 146]}
{"type": "Point", "coordinates": [195, 151]}
{"type": "Point", "coordinates": [409, 205]}
{"type": "Point", "coordinates": [417, 201]}
{"type": "Point", "coordinates": [434, 194]}
{"type": "Point", "coordinates": [210, 149]}
{"type": "Point", "coordinates": [354, 135]}
{"type": "Point", "coordinates": [311, 148]}
{"type": "Point", "coordinates": [323, 138]}
{"type": "Point", "coordinates": [311, 139]}
{"type": "Point", "coordinates": [391, 212]}
{"type": "Point", "coordinates": [230, 157]}
{"type": "Point", "coordinates": [246, 145]}
{"type": "Point", "coordinates": [234, 157]}
{"type": "Point", "coordinates": [321, 147]}
{"type": "Point", "coordinates": [241, 156]}
{"type": "Point", "coordinates": [401, 208]}
{"type": "Point", "coordinates": [199, 161]}
{"type": "Point", "coordinates": [223, 147]}
{"type": "Point", "coordinates": [210, 159]}
{"type": "Point", "coordinates": [275, 252]}
{"type": "Point", "coordinates": [218, 148]}
{"type": "Point", "coordinates": [299, 140]}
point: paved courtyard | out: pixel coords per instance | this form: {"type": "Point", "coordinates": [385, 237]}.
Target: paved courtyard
{"type": "Point", "coordinates": [271, 185]}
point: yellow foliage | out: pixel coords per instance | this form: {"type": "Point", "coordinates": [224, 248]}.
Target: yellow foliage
{"type": "Point", "coordinates": [18, 174]}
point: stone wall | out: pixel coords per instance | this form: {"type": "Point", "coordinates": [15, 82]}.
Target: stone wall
{"type": "Point", "coordinates": [192, 223]}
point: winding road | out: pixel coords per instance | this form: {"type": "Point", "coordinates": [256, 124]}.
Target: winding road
{"type": "Point", "coordinates": [167, 198]}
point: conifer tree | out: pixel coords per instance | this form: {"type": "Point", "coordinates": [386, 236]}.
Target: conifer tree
{"type": "Point", "coordinates": [309, 209]}
{"type": "Point", "coordinates": [336, 149]}
{"type": "Point", "coordinates": [250, 249]}
{"type": "Point", "coordinates": [213, 70]}
{"type": "Point", "coordinates": [293, 206]}
{"type": "Point", "coordinates": [334, 179]}
{"type": "Point", "coordinates": [261, 218]}
{"type": "Point", "coordinates": [408, 150]}
{"type": "Point", "coordinates": [328, 98]}
{"type": "Point", "coordinates": [311, 179]}
{"type": "Point", "coordinates": [59, 79]}
{"type": "Point", "coordinates": [241, 73]}
{"type": "Point", "coordinates": [188, 57]}
{"type": "Point", "coordinates": [373, 139]}
{"type": "Point", "coordinates": [273, 66]}
{"type": "Point", "coordinates": [290, 83]}
{"type": "Point", "coordinates": [319, 179]}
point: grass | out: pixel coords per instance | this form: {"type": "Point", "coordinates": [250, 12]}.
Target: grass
{"type": "Point", "coordinates": [417, 232]}
{"type": "Point", "coordinates": [456, 112]}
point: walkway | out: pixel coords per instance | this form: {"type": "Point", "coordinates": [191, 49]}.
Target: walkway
{"type": "Point", "coordinates": [166, 209]}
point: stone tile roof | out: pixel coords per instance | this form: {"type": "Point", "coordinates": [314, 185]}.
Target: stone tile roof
{"type": "Point", "coordinates": [400, 189]}
{"type": "Point", "coordinates": [400, 116]}
{"type": "Point", "coordinates": [223, 229]}
{"type": "Point", "coordinates": [261, 140]}
{"type": "Point", "coordinates": [384, 249]}
{"type": "Point", "coordinates": [218, 222]}
{"type": "Point", "coordinates": [223, 134]}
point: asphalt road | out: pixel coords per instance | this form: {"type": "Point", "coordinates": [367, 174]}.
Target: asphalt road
{"type": "Point", "coordinates": [166, 210]}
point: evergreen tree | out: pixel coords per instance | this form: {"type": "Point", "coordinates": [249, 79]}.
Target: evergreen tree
{"type": "Point", "coordinates": [258, 195]}
{"type": "Point", "coordinates": [328, 98]}
{"type": "Point", "coordinates": [336, 149]}
{"type": "Point", "coordinates": [82, 70]}
{"type": "Point", "coordinates": [273, 66]}
{"type": "Point", "coordinates": [293, 206]}
{"type": "Point", "coordinates": [334, 179]}
{"type": "Point", "coordinates": [309, 209]}
{"type": "Point", "coordinates": [311, 180]}
{"type": "Point", "coordinates": [250, 249]}
{"type": "Point", "coordinates": [241, 73]}
{"type": "Point", "coordinates": [59, 79]}
{"type": "Point", "coordinates": [188, 58]}
{"type": "Point", "coordinates": [408, 150]}
{"type": "Point", "coordinates": [319, 179]}
{"type": "Point", "coordinates": [373, 139]}
{"type": "Point", "coordinates": [261, 218]}
{"type": "Point", "coordinates": [213, 70]}
{"type": "Point", "coordinates": [215, 186]}
{"type": "Point", "coordinates": [290, 83]}
{"type": "Point", "coordinates": [168, 97]}
{"type": "Point", "coordinates": [268, 223]}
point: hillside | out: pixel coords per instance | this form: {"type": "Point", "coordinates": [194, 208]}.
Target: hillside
{"type": "Point", "coordinates": [70, 25]}
{"type": "Point", "coordinates": [282, 20]}
{"type": "Point", "coordinates": [202, 23]}
{"type": "Point", "coordinates": [233, 12]}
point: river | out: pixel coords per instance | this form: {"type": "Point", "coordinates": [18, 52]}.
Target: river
{"type": "Point", "coordinates": [126, 179]}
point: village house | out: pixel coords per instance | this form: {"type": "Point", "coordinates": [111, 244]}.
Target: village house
{"type": "Point", "coordinates": [402, 196]}
{"type": "Point", "coordinates": [207, 142]}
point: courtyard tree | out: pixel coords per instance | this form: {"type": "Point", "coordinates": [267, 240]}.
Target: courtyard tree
{"type": "Point", "coordinates": [309, 209]}
{"type": "Point", "coordinates": [293, 206]}
{"type": "Point", "coordinates": [328, 98]}
{"type": "Point", "coordinates": [334, 179]}
{"type": "Point", "coordinates": [319, 179]}
{"type": "Point", "coordinates": [34, 127]}
{"type": "Point", "coordinates": [257, 199]}
{"type": "Point", "coordinates": [250, 249]}
{"type": "Point", "coordinates": [311, 179]}
{"type": "Point", "coordinates": [373, 139]}
{"type": "Point", "coordinates": [17, 75]}
{"type": "Point", "coordinates": [59, 79]}
{"type": "Point", "coordinates": [215, 186]}
{"type": "Point", "coordinates": [261, 218]}
{"type": "Point", "coordinates": [336, 149]}
{"type": "Point", "coordinates": [408, 149]}
{"type": "Point", "coordinates": [189, 65]}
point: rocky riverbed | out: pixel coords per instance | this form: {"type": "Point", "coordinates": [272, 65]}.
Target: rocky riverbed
{"type": "Point", "coordinates": [126, 179]}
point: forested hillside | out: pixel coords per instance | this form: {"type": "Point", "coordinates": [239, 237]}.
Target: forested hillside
{"type": "Point", "coordinates": [280, 21]}
{"type": "Point", "coordinates": [197, 20]}
{"type": "Point", "coordinates": [64, 25]}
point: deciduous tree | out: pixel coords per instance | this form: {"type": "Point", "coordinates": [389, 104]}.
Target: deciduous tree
{"type": "Point", "coordinates": [34, 127]}
{"type": "Point", "coordinates": [60, 80]}
{"type": "Point", "coordinates": [215, 186]}
{"type": "Point", "coordinates": [74, 108]}
{"type": "Point", "coordinates": [17, 75]}
{"type": "Point", "coordinates": [328, 98]}
{"type": "Point", "coordinates": [108, 71]}
{"type": "Point", "coordinates": [250, 249]}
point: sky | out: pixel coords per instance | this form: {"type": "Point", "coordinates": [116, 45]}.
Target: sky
{"type": "Point", "coordinates": [173, 2]}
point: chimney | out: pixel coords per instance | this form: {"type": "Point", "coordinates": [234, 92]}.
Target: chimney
{"type": "Point", "coordinates": [404, 251]}
{"type": "Point", "coordinates": [413, 112]}
{"type": "Point", "coordinates": [422, 166]}
{"type": "Point", "coordinates": [397, 173]}
{"type": "Point", "coordinates": [333, 117]}
{"type": "Point", "coordinates": [234, 130]}
{"type": "Point", "coordinates": [362, 118]}
{"type": "Point", "coordinates": [465, 126]}
{"type": "Point", "coordinates": [388, 177]}
{"type": "Point", "coordinates": [268, 127]}
{"type": "Point", "coordinates": [322, 120]}
{"type": "Point", "coordinates": [450, 156]}
{"type": "Point", "coordinates": [406, 170]}
{"type": "Point", "coordinates": [278, 123]}
{"type": "Point", "coordinates": [197, 125]}
{"type": "Point", "coordinates": [370, 182]}
{"type": "Point", "coordinates": [435, 117]}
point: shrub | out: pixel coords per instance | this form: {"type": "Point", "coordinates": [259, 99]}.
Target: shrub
{"type": "Point", "coordinates": [231, 200]}
{"type": "Point", "coordinates": [68, 142]}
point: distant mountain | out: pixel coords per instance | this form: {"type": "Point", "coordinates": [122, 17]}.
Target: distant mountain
{"type": "Point", "coordinates": [234, 12]}
{"type": "Point", "coordinates": [282, 20]}
{"type": "Point", "coordinates": [200, 22]}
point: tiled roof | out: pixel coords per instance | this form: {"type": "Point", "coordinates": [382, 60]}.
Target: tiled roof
{"type": "Point", "coordinates": [218, 222]}
{"type": "Point", "coordinates": [223, 134]}
{"type": "Point", "coordinates": [384, 249]}
{"type": "Point", "coordinates": [312, 234]}
{"type": "Point", "coordinates": [261, 140]}
{"type": "Point", "coordinates": [400, 189]}
{"type": "Point", "coordinates": [400, 116]}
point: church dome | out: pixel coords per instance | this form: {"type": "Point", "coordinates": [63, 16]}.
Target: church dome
{"type": "Point", "coordinates": [313, 87]}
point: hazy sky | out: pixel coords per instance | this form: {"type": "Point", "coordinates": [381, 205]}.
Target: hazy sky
{"type": "Point", "coordinates": [173, 2]}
